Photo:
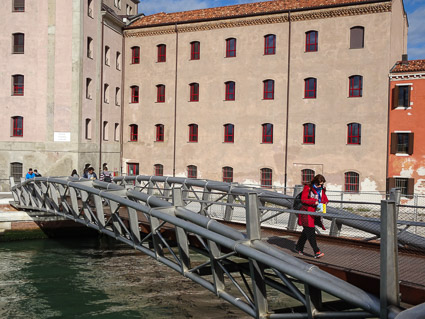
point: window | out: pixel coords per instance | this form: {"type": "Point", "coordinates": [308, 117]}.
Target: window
{"type": "Point", "coordinates": [310, 86]}
{"type": "Point", "coordinates": [230, 91]}
{"type": "Point", "coordinates": [311, 41]}
{"type": "Point", "coordinates": [162, 53]}
{"type": "Point", "coordinates": [89, 47]}
{"type": "Point", "coordinates": [229, 133]}
{"type": "Point", "coordinates": [134, 132]}
{"type": "Point", "coordinates": [355, 86]}
{"type": "Point", "coordinates": [18, 126]}
{"type": "Point", "coordinates": [268, 90]}
{"type": "Point", "coordinates": [129, 10]}
{"type": "Point", "coordinates": [107, 56]}
{"type": "Point", "coordinates": [88, 129]}
{"type": "Point", "coordinates": [105, 130]}
{"type": "Point", "coordinates": [16, 171]}
{"type": "Point", "coordinates": [18, 43]}
{"type": "Point", "coordinates": [116, 3]}
{"type": "Point", "coordinates": [192, 171]}
{"type": "Point", "coordinates": [266, 177]}
{"type": "Point", "coordinates": [117, 96]}
{"type": "Point", "coordinates": [117, 132]}
{"type": "Point", "coordinates": [134, 94]}
{"type": "Point", "coordinates": [159, 133]}
{"type": "Point", "coordinates": [160, 93]}
{"type": "Point", "coordinates": [402, 143]}
{"type": "Point", "coordinates": [230, 48]}
{"type": "Point", "coordinates": [90, 8]}
{"type": "Point", "coordinates": [193, 133]}
{"type": "Point", "coordinates": [406, 185]}
{"type": "Point", "coordinates": [18, 85]}
{"type": "Point", "coordinates": [227, 174]}
{"type": "Point", "coordinates": [401, 96]}
{"type": "Point", "coordinates": [135, 55]}
{"type": "Point", "coordinates": [132, 169]}
{"type": "Point", "coordinates": [309, 136]}
{"type": "Point", "coordinates": [354, 133]}
{"type": "Point", "coordinates": [356, 38]}
{"type": "Point", "coordinates": [106, 93]}
{"type": "Point", "coordinates": [194, 92]}
{"type": "Point", "coordinates": [118, 61]}
{"type": "Point", "coordinates": [88, 88]}
{"type": "Point", "coordinates": [351, 182]}
{"type": "Point", "coordinates": [18, 5]}
{"type": "Point", "coordinates": [269, 44]}
{"type": "Point", "coordinates": [268, 133]}
{"type": "Point", "coordinates": [195, 50]}
{"type": "Point", "coordinates": [158, 170]}
{"type": "Point", "coordinates": [307, 176]}
{"type": "Point", "coordinates": [119, 4]}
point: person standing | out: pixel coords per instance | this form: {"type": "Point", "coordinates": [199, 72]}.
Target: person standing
{"type": "Point", "coordinates": [90, 173]}
{"type": "Point", "coordinates": [36, 173]}
{"type": "Point", "coordinates": [313, 197]}
{"type": "Point", "coordinates": [74, 173]}
{"type": "Point", "coordinates": [105, 175]}
{"type": "Point", "coordinates": [30, 174]}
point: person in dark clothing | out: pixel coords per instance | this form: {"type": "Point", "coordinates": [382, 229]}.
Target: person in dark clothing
{"type": "Point", "coordinates": [36, 173]}
{"type": "Point", "coordinates": [74, 173]}
{"type": "Point", "coordinates": [313, 197]}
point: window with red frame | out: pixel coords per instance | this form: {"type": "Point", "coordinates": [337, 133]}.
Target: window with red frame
{"type": "Point", "coordinates": [132, 169]}
{"type": "Point", "coordinates": [158, 170]}
{"type": "Point", "coordinates": [160, 93]}
{"type": "Point", "coordinates": [159, 132]}
{"type": "Point", "coordinates": [268, 133]}
{"type": "Point", "coordinates": [18, 42]}
{"type": "Point", "coordinates": [356, 86]}
{"type": "Point", "coordinates": [229, 133]}
{"type": "Point", "coordinates": [18, 5]}
{"type": "Point", "coordinates": [192, 171]}
{"type": "Point", "coordinates": [135, 55]}
{"type": "Point", "coordinates": [268, 90]}
{"type": "Point", "coordinates": [354, 133]}
{"type": "Point", "coordinates": [310, 86]}
{"type": "Point", "coordinates": [134, 94]}
{"type": "Point", "coordinates": [307, 176]}
{"type": "Point", "coordinates": [266, 177]}
{"type": "Point", "coordinates": [195, 50]}
{"type": "Point", "coordinates": [162, 53]}
{"type": "Point", "coordinates": [194, 92]}
{"type": "Point", "coordinates": [230, 48]}
{"type": "Point", "coordinates": [18, 85]}
{"type": "Point", "coordinates": [351, 182]}
{"type": "Point", "coordinates": [18, 126]}
{"type": "Point", "coordinates": [309, 136]}
{"type": "Point", "coordinates": [227, 174]}
{"type": "Point", "coordinates": [230, 91]}
{"type": "Point", "coordinates": [269, 44]}
{"type": "Point", "coordinates": [134, 132]}
{"type": "Point", "coordinates": [193, 133]}
{"type": "Point", "coordinates": [311, 41]}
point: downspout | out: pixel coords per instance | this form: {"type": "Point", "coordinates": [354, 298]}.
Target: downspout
{"type": "Point", "coordinates": [175, 103]}
{"type": "Point", "coordinates": [122, 105]}
{"type": "Point", "coordinates": [388, 131]}
{"type": "Point", "coordinates": [101, 100]}
{"type": "Point", "coordinates": [287, 101]}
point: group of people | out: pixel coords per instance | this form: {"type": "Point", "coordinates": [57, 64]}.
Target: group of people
{"type": "Point", "coordinates": [89, 173]}
{"type": "Point", "coordinates": [32, 174]}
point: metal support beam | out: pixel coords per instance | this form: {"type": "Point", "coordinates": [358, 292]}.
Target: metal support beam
{"type": "Point", "coordinates": [252, 216]}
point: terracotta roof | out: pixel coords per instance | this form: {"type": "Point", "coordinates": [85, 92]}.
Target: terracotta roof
{"type": "Point", "coordinates": [409, 66]}
{"type": "Point", "coordinates": [240, 10]}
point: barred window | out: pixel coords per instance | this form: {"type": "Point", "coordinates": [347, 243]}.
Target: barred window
{"type": "Point", "coordinates": [351, 182]}
{"type": "Point", "coordinates": [307, 176]}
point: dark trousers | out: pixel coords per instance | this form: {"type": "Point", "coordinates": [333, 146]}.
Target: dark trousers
{"type": "Point", "coordinates": [310, 234]}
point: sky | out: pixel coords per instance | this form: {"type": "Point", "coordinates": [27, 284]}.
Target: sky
{"type": "Point", "coordinates": [415, 13]}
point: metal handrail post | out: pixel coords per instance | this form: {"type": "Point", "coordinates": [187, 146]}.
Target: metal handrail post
{"type": "Point", "coordinates": [292, 221]}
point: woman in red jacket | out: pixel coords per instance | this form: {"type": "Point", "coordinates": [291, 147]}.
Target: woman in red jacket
{"type": "Point", "coordinates": [313, 197]}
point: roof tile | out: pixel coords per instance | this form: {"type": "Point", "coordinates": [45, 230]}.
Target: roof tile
{"type": "Point", "coordinates": [409, 66]}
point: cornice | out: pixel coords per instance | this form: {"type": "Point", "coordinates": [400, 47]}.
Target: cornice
{"type": "Point", "coordinates": [411, 76]}
{"type": "Point", "coordinates": [243, 22]}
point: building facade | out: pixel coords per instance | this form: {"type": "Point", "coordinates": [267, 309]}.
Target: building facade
{"type": "Point", "coordinates": [264, 93]}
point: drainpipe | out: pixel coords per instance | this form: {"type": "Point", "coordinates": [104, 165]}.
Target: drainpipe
{"type": "Point", "coordinates": [122, 105]}
{"type": "Point", "coordinates": [175, 103]}
{"type": "Point", "coordinates": [388, 130]}
{"type": "Point", "coordinates": [287, 101]}
{"type": "Point", "coordinates": [101, 99]}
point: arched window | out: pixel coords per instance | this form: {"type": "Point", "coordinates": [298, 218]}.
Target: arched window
{"type": "Point", "coordinates": [307, 176]}
{"type": "Point", "coordinates": [230, 48]}
{"type": "Point", "coordinates": [162, 53]}
{"type": "Point", "coordinates": [17, 126]}
{"type": "Point", "coordinates": [88, 88]}
{"type": "Point", "coordinates": [195, 50]}
{"type": "Point", "coordinates": [310, 87]}
{"type": "Point", "coordinates": [88, 129]}
{"type": "Point", "coordinates": [134, 132]}
{"type": "Point", "coordinates": [105, 130]}
{"type": "Point", "coordinates": [159, 132]}
{"type": "Point", "coordinates": [311, 41]}
{"type": "Point", "coordinates": [135, 55]}
{"type": "Point", "coordinates": [160, 93]}
{"type": "Point", "coordinates": [227, 174]}
{"type": "Point", "coordinates": [158, 170]}
{"type": "Point", "coordinates": [269, 44]}
{"type": "Point", "coordinates": [356, 37]}
{"type": "Point", "coordinates": [229, 133]}
{"type": "Point", "coordinates": [106, 93]}
{"type": "Point", "coordinates": [309, 136]}
{"type": "Point", "coordinates": [230, 91]}
{"type": "Point", "coordinates": [18, 42]}
{"type": "Point", "coordinates": [107, 55]}
{"type": "Point", "coordinates": [134, 94]}
{"type": "Point", "coordinates": [351, 182]}
{"type": "Point", "coordinates": [194, 92]}
{"type": "Point", "coordinates": [18, 85]}
{"type": "Point", "coordinates": [268, 90]}
{"type": "Point", "coordinates": [356, 86]}
{"type": "Point", "coordinates": [266, 177]}
{"type": "Point", "coordinates": [267, 133]}
{"type": "Point", "coordinates": [117, 96]}
{"type": "Point", "coordinates": [354, 133]}
{"type": "Point", "coordinates": [118, 61]}
{"type": "Point", "coordinates": [192, 171]}
{"type": "Point", "coordinates": [90, 8]}
{"type": "Point", "coordinates": [16, 171]}
{"type": "Point", "coordinates": [117, 132]}
{"type": "Point", "coordinates": [193, 133]}
{"type": "Point", "coordinates": [89, 47]}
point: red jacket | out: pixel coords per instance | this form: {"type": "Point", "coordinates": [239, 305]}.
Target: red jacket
{"type": "Point", "coordinates": [309, 197]}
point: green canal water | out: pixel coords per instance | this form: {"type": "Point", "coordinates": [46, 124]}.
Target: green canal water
{"type": "Point", "coordinates": [93, 278]}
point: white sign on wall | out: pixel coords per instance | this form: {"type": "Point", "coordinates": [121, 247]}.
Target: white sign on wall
{"type": "Point", "coordinates": [62, 137]}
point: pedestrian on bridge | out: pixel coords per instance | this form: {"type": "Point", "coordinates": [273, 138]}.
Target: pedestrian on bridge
{"type": "Point", "coordinates": [313, 197]}
{"type": "Point", "coordinates": [30, 174]}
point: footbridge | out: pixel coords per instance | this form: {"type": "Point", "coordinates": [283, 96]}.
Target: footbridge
{"type": "Point", "coordinates": [243, 239]}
